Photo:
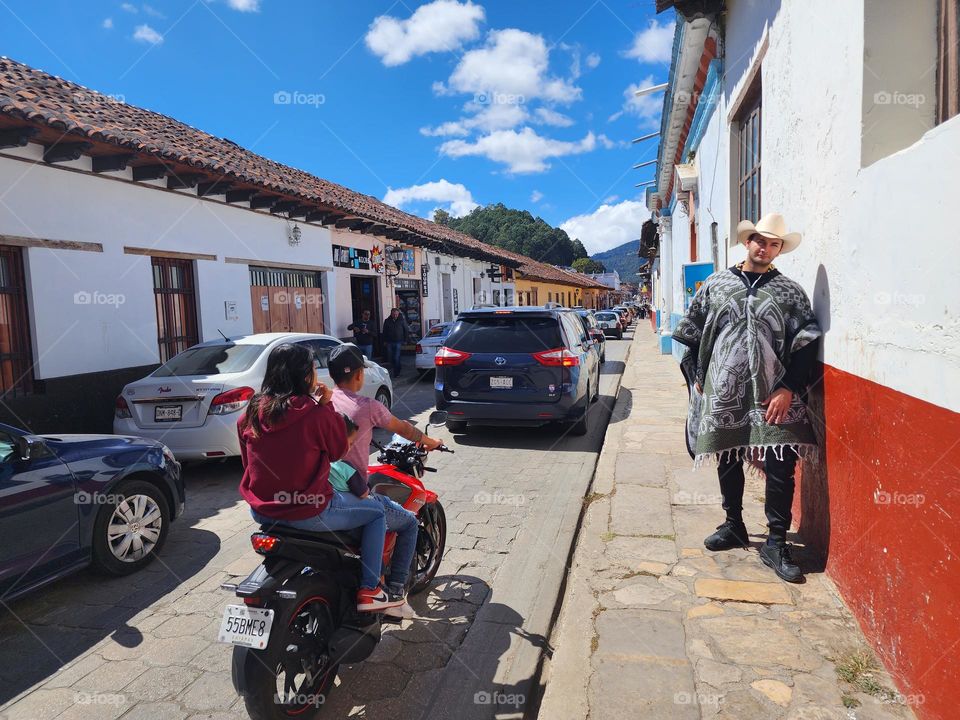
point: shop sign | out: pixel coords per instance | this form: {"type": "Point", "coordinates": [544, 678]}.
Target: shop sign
{"type": "Point", "coordinates": [424, 274]}
{"type": "Point", "coordinates": [348, 257]}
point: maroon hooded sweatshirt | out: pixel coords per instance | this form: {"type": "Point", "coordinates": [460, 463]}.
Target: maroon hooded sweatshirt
{"type": "Point", "coordinates": [286, 470]}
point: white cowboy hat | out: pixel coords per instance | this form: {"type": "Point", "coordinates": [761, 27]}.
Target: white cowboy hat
{"type": "Point", "coordinates": [770, 225]}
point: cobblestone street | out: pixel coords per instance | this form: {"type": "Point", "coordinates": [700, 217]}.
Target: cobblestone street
{"type": "Point", "coordinates": [145, 646]}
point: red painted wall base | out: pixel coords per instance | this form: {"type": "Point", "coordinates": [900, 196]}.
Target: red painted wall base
{"type": "Point", "coordinates": [885, 512]}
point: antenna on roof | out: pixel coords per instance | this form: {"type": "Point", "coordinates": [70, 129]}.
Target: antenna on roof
{"type": "Point", "coordinates": [222, 335]}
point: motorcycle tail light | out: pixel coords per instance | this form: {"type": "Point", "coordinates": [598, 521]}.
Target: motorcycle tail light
{"type": "Point", "coordinates": [264, 544]}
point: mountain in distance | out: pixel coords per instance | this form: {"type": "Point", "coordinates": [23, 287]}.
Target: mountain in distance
{"type": "Point", "coordinates": [623, 259]}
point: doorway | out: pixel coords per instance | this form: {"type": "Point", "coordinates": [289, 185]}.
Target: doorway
{"type": "Point", "coordinates": [365, 295]}
{"type": "Point", "coordinates": [446, 295]}
{"type": "Point", "coordinates": [286, 300]}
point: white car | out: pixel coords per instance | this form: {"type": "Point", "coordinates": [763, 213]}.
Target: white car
{"type": "Point", "coordinates": [610, 323]}
{"type": "Point", "coordinates": [192, 402]}
{"type": "Point", "coordinates": [428, 345]}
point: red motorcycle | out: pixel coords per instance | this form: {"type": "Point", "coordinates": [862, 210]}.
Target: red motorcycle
{"type": "Point", "coordinates": [299, 618]}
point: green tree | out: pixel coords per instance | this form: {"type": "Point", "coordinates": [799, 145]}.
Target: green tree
{"type": "Point", "coordinates": [588, 265]}
{"type": "Point", "coordinates": [579, 251]}
{"type": "Point", "coordinates": [441, 217]}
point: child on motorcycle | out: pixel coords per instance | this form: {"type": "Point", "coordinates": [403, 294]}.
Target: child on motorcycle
{"type": "Point", "coordinates": [346, 368]}
{"type": "Point", "coordinates": [289, 434]}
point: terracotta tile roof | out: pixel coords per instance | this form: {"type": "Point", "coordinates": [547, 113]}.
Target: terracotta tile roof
{"type": "Point", "coordinates": [72, 112]}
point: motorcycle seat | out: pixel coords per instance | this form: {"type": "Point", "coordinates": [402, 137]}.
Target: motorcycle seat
{"type": "Point", "coordinates": [348, 539]}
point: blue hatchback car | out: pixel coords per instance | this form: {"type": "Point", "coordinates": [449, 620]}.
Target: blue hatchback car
{"type": "Point", "coordinates": [67, 501]}
{"type": "Point", "coordinates": [520, 366]}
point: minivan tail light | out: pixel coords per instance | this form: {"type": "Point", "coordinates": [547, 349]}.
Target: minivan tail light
{"type": "Point", "coordinates": [231, 401]}
{"type": "Point", "coordinates": [449, 356]}
{"type": "Point", "coordinates": [121, 409]}
{"type": "Point", "coordinates": [560, 357]}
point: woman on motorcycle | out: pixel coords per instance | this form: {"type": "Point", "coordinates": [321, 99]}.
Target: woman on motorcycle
{"type": "Point", "coordinates": [289, 434]}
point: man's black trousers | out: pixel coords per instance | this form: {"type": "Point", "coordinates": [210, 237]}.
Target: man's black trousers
{"type": "Point", "coordinates": [779, 492]}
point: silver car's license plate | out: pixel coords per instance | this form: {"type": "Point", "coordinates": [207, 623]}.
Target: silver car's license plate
{"type": "Point", "coordinates": [167, 413]}
{"type": "Point", "coordinates": [501, 382]}
{"type": "Point", "coordinates": [247, 626]}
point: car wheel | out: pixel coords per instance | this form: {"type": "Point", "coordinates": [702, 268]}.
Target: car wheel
{"type": "Point", "coordinates": [130, 529]}
{"type": "Point", "coordinates": [456, 425]}
{"type": "Point", "coordinates": [383, 396]}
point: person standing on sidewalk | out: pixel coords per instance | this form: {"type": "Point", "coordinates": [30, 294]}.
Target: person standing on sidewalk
{"type": "Point", "coordinates": [395, 334]}
{"type": "Point", "coordinates": [363, 333]}
{"type": "Point", "coordinates": [751, 339]}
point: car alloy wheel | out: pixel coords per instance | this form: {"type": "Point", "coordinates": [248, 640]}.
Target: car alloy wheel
{"type": "Point", "coordinates": [383, 396]}
{"type": "Point", "coordinates": [134, 528]}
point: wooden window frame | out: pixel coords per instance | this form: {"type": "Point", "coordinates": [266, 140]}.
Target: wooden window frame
{"type": "Point", "coordinates": [172, 301]}
{"type": "Point", "coordinates": [948, 59]}
{"type": "Point", "coordinates": [749, 155]}
{"type": "Point", "coordinates": [16, 350]}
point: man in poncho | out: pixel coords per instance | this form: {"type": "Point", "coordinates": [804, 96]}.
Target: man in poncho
{"type": "Point", "coordinates": [751, 340]}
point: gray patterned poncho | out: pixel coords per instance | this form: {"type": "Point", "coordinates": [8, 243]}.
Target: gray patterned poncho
{"type": "Point", "coordinates": [739, 342]}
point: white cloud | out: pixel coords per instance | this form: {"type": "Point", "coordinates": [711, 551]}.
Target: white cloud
{"type": "Point", "coordinates": [610, 199]}
{"type": "Point", "coordinates": [536, 196]}
{"type": "Point", "coordinates": [646, 107]}
{"type": "Point", "coordinates": [442, 25]}
{"type": "Point", "coordinates": [521, 151]}
{"type": "Point", "coordinates": [108, 23]}
{"type": "Point", "coordinates": [653, 45]}
{"type": "Point", "coordinates": [152, 11]}
{"type": "Point", "coordinates": [129, 8]}
{"type": "Point", "coordinates": [145, 33]}
{"type": "Point", "coordinates": [487, 119]}
{"type": "Point", "coordinates": [512, 64]}
{"type": "Point", "coordinates": [552, 117]}
{"type": "Point", "coordinates": [608, 226]}
{"type": "Point", "coordinates": [458, 199]}
{"type": "Point", "coordinates": [244, 5]}
{"type": "Point", "coordinates": [593, 60]}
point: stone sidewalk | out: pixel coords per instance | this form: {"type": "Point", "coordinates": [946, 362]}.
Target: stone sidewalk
{"type": "Point", "coordinates": [653, 625]}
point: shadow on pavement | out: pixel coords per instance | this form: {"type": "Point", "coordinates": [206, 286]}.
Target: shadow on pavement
{"type": "Point", "coordinates": [44, 630]}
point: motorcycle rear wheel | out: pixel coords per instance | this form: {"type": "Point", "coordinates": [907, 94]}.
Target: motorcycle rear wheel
{"type": "Point", "coordinates": [431, 541]}
{"type": "Point", "coordinates": [279, 684]}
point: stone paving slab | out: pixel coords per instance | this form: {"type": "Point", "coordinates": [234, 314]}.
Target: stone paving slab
{"type": "Point", "coordinates": [653, 625]}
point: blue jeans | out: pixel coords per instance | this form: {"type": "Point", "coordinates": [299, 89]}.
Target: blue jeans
{"type": "Point", "coordinates": [367, 350]}
{"type": "Point", "coordinates": [404, 523]}
{"type": "Point", "coordinates": [345, 512]}
{"type": "Point", "coordinates": [393, 355]}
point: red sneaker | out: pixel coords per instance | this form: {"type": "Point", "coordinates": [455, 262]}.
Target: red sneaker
{"type": "Point", "coordinates": [376, 600]}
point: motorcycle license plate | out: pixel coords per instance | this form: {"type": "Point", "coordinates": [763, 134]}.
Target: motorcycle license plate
{"type": "Point", "coordinates": [247, 626]}
{"type": "Point", "coordinates": [501, 382]}
{"type": "Point", "coordinates": [167, 413]}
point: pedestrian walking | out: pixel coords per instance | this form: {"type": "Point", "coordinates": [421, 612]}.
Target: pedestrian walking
{"type": "Point", "coordinates": [395, 334]}
{"type": "Point", "coordinates": [751, 340]}
{"type": "Point", "coordinates": [363, 333]}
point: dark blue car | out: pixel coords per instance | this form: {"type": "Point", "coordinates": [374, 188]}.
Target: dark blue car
{"type": "Point", "coordinates": [522, 366]}
{"type": "Point", "coordinates": [67, 501]}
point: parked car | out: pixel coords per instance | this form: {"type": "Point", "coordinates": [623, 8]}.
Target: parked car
{"type": "Point", "coordinates": [191, 403]}
{"type": "Point", "coordinates": [67, 501]}
{"type": "Point", "coordinates": [625, 317]}
{"type": "Point", "coordinates": [429, 344]}
{"type": "Point", "coordinates": [610, 322]}
{"type": "Point", "coordinates": [518, 366]}
{"type": "Point", "coordinates": [594, 332]}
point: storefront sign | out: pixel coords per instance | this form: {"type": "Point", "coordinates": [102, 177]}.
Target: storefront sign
{"type": "Point", "coordinates": [404, 284]}
{"type": "Point", "coordinates": [424, 274]}
{"type": "Point", "coordinates": [409, 262]}
{"type": "Point", "coordinates": [456, 302]}
{"type": "Point", "coordinates": [348, 257]}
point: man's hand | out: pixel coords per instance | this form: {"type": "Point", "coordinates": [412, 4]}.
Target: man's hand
{"type": "Point", "coordinates": [323, 394]}
{"type": "Point", "coordinates": [777, 405]}
{"type": "Point", "coordinates": [430, 443]}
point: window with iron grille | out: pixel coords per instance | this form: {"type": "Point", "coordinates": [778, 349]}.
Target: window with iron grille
{"type": "Point", "coordinates": [175, 297]}
{"type": "Point", "coordinates": [948, 59]}
{"type": "Point", "coordinates": [16, 361]}
{"type": "Point", "coordinates": [748, 167]}
{"type": "Point", "coordinates": [277, 277]}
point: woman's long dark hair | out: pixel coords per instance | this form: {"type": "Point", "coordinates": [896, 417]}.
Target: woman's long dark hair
{"type": "Point", "coordinates": [289, 368]}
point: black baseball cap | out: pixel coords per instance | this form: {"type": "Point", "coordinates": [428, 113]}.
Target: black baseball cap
{"type": "Point", "coordinates": [344, 361]}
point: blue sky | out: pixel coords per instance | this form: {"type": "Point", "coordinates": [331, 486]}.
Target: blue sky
{"type": "Point", "coordinates": [436, 104]}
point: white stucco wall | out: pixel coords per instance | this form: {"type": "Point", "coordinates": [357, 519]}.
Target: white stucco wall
{"type": "Point", "coordinates": [47, 202]}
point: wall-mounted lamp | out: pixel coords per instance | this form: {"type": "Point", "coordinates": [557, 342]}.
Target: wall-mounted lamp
{"type": "Point", "coordinates": [294, 235]}
{"type": "Point", "coordinates": [395, 255]}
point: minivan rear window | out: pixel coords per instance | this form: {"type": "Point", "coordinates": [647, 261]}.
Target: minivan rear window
{"type": "Point", "coordinates": [210, 360]}
{"type": "Point", "coordinates": [513, 334]}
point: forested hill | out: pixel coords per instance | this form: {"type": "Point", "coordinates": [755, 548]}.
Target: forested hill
{"type": "Point", "coordinates": [623, 259]}
{"type": "Point", "coordinates": [517, 231]}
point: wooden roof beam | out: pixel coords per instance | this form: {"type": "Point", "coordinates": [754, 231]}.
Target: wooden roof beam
{"type": "Point", "coordinates": [64, 151]}
{"type": "Point", "coordinates": [111, 163]}
{"type": "Point", "coordinates": [17, 137]}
